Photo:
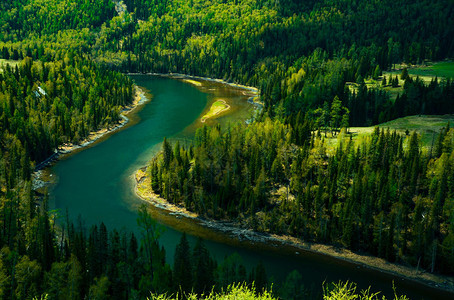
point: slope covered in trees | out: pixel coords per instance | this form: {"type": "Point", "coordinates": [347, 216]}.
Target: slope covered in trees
{"type": "Point", "coordinates": [22, 19]}
{"type": "Point", "coordinates": [385, 196]}
{"type": "Point", "coordinates": [322, 45]}
{"type": "Point", "coordinates": [46, 104]}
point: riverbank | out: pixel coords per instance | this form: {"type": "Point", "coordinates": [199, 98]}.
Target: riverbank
{"type": "Point", "coordinates": [143, 191]}
{"type": "Point", "coordinates": [139, 99]}
{"type": "Point", "coordinates": [194, 80]}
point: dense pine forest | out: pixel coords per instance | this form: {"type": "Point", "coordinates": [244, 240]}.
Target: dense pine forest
{"type": "Point", "coordinates": [62, 66]}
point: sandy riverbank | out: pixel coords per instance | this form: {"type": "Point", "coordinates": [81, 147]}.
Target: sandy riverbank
{"type": "Point", "coordinates": [194, 80]}
{"type": "Point", "coordinates": [144, 191]}
{"type": "Point", "coordinates": [139, 99]}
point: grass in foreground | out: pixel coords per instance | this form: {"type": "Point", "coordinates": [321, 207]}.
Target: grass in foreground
{"type": "Point", "coordinates": [339, 291]}
{"type": "Point", "coordinates": [216, 108]}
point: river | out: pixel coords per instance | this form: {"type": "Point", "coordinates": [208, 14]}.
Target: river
{"type": "Point", "coordinates": [96, 185]}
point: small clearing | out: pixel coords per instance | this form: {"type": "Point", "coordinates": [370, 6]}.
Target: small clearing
{"type": "Point", "coordinates": [427, 127]}
{"type": "Point", "coordinates": [4, 62]}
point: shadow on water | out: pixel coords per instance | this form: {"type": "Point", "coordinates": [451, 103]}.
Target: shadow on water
{"type": "Point", "coordinates": [97, 185]}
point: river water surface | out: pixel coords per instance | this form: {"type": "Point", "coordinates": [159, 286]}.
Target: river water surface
{"type": "Point", "coordinates": [96, 185]}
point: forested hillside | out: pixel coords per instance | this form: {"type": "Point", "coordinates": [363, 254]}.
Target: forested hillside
{"type": "Point", "coordinates": [387, 196]}
{"type": "Point", "coordinates": [23, 18]}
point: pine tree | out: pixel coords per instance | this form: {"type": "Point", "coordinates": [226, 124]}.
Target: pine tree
{"type": "Point", "coordinates": [404, 74]}
{"type": "Point", "coordinates": [203, 268]}
{"type": "Point", "coordinates": [182, 266]}
{"type": "Point", "coordinates": [167, 153]}
{"type": "Point", "coordinates": [335, 114]}
{"type": "Point", "coordinates": [377, 72]}
{"type": "Point", "coordinates": [261, 279]}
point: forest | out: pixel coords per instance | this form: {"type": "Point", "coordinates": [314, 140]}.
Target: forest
{"type": "Point", "coordinates": [389, 195]}
{"type": "Point", "coordinates": [386, 196]}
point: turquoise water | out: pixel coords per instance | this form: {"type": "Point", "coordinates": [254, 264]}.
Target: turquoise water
{"type": "Point", "coordinates": [96, 185]}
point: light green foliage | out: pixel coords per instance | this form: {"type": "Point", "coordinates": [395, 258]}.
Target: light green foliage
{"type": "Point", "coordinates": [11, 63]}
{"type": "Point", "coordinates": [427, 127]}
{"type": "Point", "coordinates": [348, 291]}
{"type": "Point", "coordinates": [50, 16]}
{"type": "Point", "coordinates": [233, 292]}
{"type": "Point", "coordinates": [64, 279]}
{"type": "Point", "coordinates": [337, 291]}
{"type": "Point", "coordinates": [98, 291]}
{"type": "Point", "coordinates": [26, 276]}
{"type": "Point", "coordinates": [51, 110]}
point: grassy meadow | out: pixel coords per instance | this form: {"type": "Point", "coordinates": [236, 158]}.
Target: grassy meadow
{"type": "Point", "coordinates": [425, 72]}
{"type": "Point", "coordinates": [440, 69]}
{"type": "Point", "coordinates": [427, 128]}
{"type": "Point", "coordinates": [12, 63]}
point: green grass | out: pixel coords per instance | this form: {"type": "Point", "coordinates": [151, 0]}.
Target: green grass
{"type": "Point", "coordinates": [12, 63]}
{"type": "Point", "coordinates": [440, 69]}
{"type": "Point", "coordinates": [427, 128]}
{"type": "Point", "coordinates": [233, 292]}
{"type": "Point", "coordinates": [376, 84]}
{"type": "Point", "coordinates": [216, 108]}
{"type": "Point", "coordinates": [425, 73]}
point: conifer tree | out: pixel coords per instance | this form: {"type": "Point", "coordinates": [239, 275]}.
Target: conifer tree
{"type": "Point", "coordinates": [182, 267]}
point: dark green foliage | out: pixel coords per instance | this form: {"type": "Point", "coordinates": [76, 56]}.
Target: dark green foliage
{"type": "Point", "coordinates": [182, 267]}
{"type": "Point", "coordinates": [204, 268]}
{"type": "Point", "coordinates": [293, 287]}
